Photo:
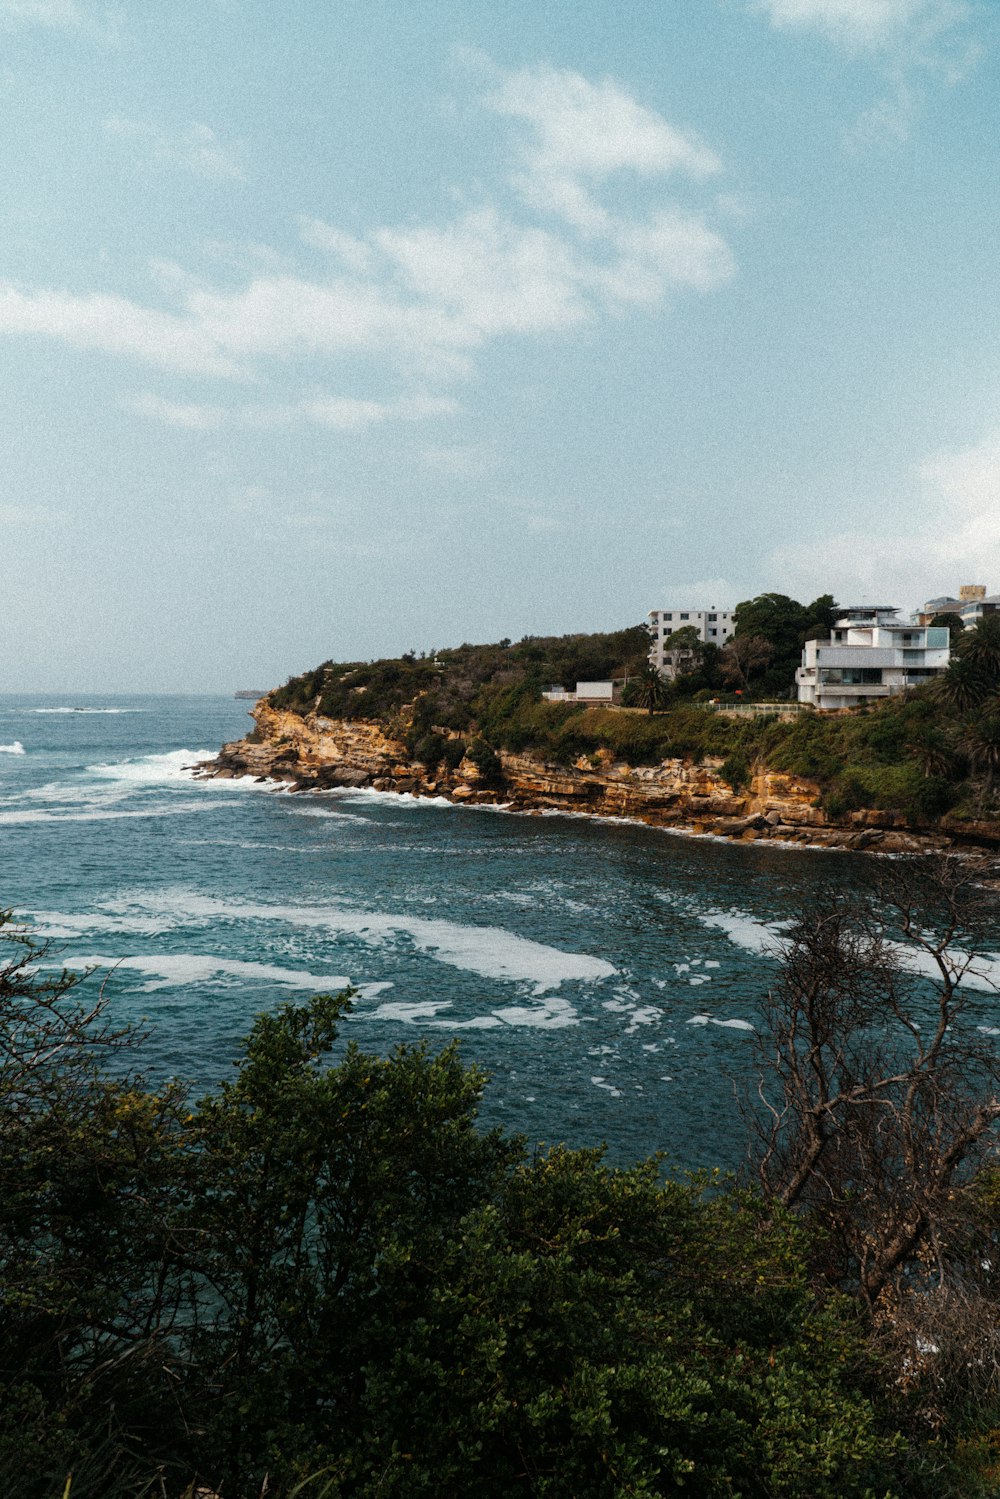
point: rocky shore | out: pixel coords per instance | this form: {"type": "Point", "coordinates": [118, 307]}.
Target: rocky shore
{"type": "Point", "coordinates": [316, 753]}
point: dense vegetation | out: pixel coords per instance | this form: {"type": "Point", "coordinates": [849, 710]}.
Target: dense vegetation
{"type": "Point", "coordinates": [934, 750]}
{"type": "Point", "coordinates": [325, 1279]}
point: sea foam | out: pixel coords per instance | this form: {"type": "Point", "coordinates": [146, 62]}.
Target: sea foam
{"type": "Point", "coordinates": [489, 951]}
{"type": "Point", "coordinates": [17, 748]}
{"type": "Point", "coordinates": [166, 970]}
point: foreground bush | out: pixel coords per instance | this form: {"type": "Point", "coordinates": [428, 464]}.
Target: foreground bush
{"type": "Point", "coordinates": [325, 1278]}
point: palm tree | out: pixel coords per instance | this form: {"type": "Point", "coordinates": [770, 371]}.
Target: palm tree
{"type": "Point", "coordinates": [981, 647]}
{"type": "Point", "coordinates": [963, 686]}
{"type": "Point", "coordinates": [648, 690]}
{"type": "Point", "coordinates": [932, 751]}
{"type": "Point", "coordinates": [980, 742]}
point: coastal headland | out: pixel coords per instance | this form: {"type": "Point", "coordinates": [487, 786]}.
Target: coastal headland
{"type": "Point", "coordinates": [312, 752]}
{"type": "Point", "coordinates": [584, 724]}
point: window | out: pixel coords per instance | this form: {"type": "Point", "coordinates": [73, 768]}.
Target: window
{"type": "Point", "coordinates": [713, 617]}
{"type": "Point", "coordinates": [685, 616]}
{"type": "Point", "coordinates": [667, 630]}
{"type": "Point", "coordinates": [713, 632]}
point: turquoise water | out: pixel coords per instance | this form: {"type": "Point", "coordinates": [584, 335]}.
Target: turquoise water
{"type": "Point", "coordinates": [606, 976]}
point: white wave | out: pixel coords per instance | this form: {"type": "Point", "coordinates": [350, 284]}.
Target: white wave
{"type": "Point", "coordinates": [170, 969]}
{"type": "Point", "coordinates": [600, 1082]}
{"type": "Point", "coordinates": [489, 951]}
{"type": "Point", "coordinates": [78, 710]}
{"type": "Point", "coordinates": [17, 748]}
{"type": "Point", "coordinates": [410, 1011]}
{"type": "Point", "coordinates": [550, 1015]}
{"type": "Point", "coordinates": [105, 814]}
{"type": "Point", "coordinates": [152, 770]}
{"type": "Point", "coordinates": [746, 931]}
{"type": "Point", "coordinates": [731, 1025]}
{"type": "Point", "coordinates": [59, 924]}
{"type": "Point", "coordinates": [766, 939]}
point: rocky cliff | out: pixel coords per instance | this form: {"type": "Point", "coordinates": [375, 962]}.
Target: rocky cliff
{"type": "Point", "coordinates": [313, 752]}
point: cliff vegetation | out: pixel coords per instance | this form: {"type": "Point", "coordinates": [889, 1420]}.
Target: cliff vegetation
{"type": "Point", "coordinates": [929, 758]}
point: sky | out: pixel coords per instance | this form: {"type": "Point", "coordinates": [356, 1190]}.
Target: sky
{"type": "Point", "coordinates": [339, 328]}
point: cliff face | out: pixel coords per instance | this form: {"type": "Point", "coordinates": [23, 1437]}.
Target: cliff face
{"type": "Point", "coordinates": [315, 752]}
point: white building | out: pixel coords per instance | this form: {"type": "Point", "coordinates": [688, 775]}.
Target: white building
{"type": "Point", "coordinates": [870, 655]}
{"type": "Point", "coordinates": [714, 627]}
{"type": "Point", "coordinates": [595, 693]}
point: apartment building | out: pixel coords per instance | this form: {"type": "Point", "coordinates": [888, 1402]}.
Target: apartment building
{"type": "Point", "coordinates": [972, 604]}
{"type": "Point", "coordinates": [714, 627]}
{"type": "Point", "coordinates": [870, 655]}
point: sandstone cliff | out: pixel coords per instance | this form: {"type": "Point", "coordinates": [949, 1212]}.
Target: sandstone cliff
{"type": "Point", "coordinates": [312, 752]}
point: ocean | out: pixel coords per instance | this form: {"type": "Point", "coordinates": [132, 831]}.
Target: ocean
{"type": "Point", "coordinates": [606, 976]}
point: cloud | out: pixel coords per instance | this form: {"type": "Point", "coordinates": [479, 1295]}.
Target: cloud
{"type": "Point", "coordinates": [911, 42]}
{"type": "Point", "coordinates": [861, 23]}
{"type": "Point", "coordinates": [345, 413]}
{"type": "Point", "coordinates": [421, 298]}
{"type": "Point", "coordinates": [61, 15]}
{"type": "Point", "coordinates": [953, 537]}
{"type": "Point", "coordinates": [195, 149]}
{"type": "Point", "coordinates": [116, 325]}
{"type": "Point", "coordinates": [591, 130]}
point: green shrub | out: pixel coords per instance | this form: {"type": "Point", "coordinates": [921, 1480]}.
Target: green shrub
{"type": "Point", "coordinates": [486, 760]}
{"type": "Point", "coordinates": [736, 772]}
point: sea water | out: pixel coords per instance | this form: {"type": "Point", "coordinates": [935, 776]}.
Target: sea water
{"type": "Point", "coordinates": [608, 977]}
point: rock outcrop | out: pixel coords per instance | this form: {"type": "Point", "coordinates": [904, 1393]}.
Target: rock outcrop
{"type": "Point", "coordinates": [313, 752]}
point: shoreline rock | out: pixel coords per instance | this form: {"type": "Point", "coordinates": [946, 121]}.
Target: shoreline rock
{"type": "Point", "coordinates": [316, 753]}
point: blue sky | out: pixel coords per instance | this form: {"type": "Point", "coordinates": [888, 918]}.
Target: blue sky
{"type": "Point", "coordinates": [340, 327]}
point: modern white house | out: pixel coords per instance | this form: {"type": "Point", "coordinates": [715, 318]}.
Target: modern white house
{"type": "Point", "coordinates": [870, 655]}
{"type": "Point", "coordinates": [597, 694]}
{"type": "Point", "coordinates": [714, 627]}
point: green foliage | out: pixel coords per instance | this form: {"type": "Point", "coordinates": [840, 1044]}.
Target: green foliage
{"type": "Point", "coordinates": [487, 762]}
{"type": "Point", "coordinates": [736, 771]}
{"type": "Point", "coordinates": [326, 1277]}
{"type": "Point", "coordinates": [450, 681]}
{"type": "Point", "coordinates": [785, 625]}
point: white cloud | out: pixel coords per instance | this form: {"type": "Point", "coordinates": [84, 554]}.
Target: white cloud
{"type": "Point", "coordinates": [63, 15]}
{"type": "Point", "coordinates": [116, 325]}
{"type": "Point", "coordinates": [863, 23]}
{"type": "Point", "coordinates": [350, 415]}
{"type": "Point", "coordinates": [188, 414]}
{"type": "Point", "coordinates": [953, 538]}
{"type": "Point", "coordinates": [345, 413]}
{"type": "Point", "coordinates": [490, 275]}
{"type": "Point", "coordinates": [593, 129]}
{"type": "Point", "coordinates": [421, 298]}
{"type": "Point", "coordinates": [196, 148]}
{"type": "Point", "coordinates": [352, 253]}
{"type": "Point", "coordinates": [91, 23]}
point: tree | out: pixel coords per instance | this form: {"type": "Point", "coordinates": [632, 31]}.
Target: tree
{"type": "Point", "coordinates": [877, 1094]}
{"type": "Point", "coordinates": [743, 657]}
{"type": "Point", "coordinates": [648, 690]}
{"type": "Point", "coordinates": [962, 686]}
{"type": "Point", "coordinates": [932, 750]}
{"type": "Point", "coordinates": [953, 623]}
{"type": "Point", "coordinates": [89, 1184]}
{"type": "Point", "coordinates": [981, 648]}
{"type": "Point", "coordinates": [786, 625]}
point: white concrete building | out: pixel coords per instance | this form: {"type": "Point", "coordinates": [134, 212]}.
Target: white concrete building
{"type": "Point", "coordinates": [595, 693]}
{"type": "Point", "coordinates": [870, 655]}
{"type": "Point", "coordinates": [714, 627]}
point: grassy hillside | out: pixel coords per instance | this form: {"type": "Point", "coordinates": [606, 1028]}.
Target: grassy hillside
{"type": "Point", "coordinates": [936, 749]}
